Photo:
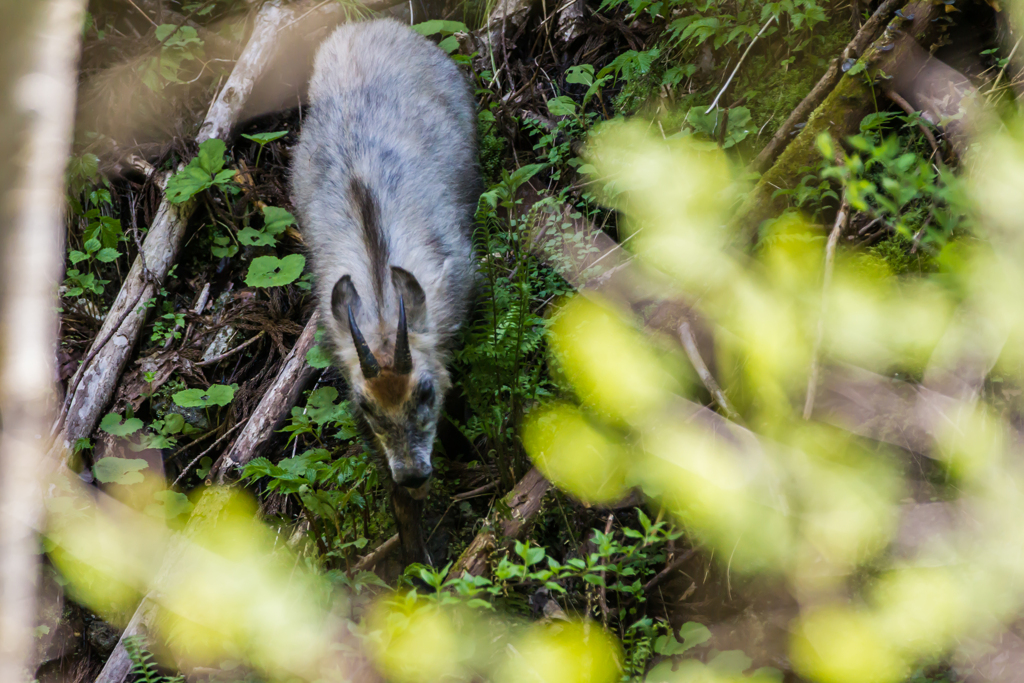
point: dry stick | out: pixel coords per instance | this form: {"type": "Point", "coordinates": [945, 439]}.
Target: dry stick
{"type": "Point", "coordinates": [94, 384]}
{"type": "Point", "coordinates": [906, 106]}
{"type": "Point", "coordinates": [223, 113]}
{"type": "Point", "coordinates": [212, 446]}
{"type": "Point", "coordinates": [475, 492]}
{"type": "Point", "coordinates": [155, 25]}
{"type": "Point", "coordinates": [509, 521]}
{"type": "Point", "coordinates": [830, 257]}
{"type": "Point", "coordinates": [217, 359]}
{"type": "Point", "coordinates": [43, 103]}
{"type": "Point", "coordinates": [864, 37]}
{"type": "Point", "coordinates": [368, 562]}
{"type": "Point", "coordinates": [272, 408]}
{"type": "Point", "coordinates": [725, 87]}
{"type": "Point", "coordinates": [689, 342]}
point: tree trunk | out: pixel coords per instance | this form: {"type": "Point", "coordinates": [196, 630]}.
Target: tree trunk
{"type": "Point", "coordinates": [42, 90]}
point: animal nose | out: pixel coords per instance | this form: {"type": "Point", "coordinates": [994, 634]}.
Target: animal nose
{"type": "Point", "coordinates": [413, 479]}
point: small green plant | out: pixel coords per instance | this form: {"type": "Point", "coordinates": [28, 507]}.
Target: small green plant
{"type": "Point", "coordinates": [78, 283]}
{"type": "Point", "coordinates": [329, 489]}
{"type": "Point", "coordinates": [499, 363]}
{"type": "Point", "coordinates": [446, 29]}
{"type": "Point", "coordinates": [332, 490]}
{"type": "Point", "coordinates": [275, 221]}
{"type": "Point", "coordinates": [144, 668]}
{"type": "Point", "coordinates": [204, 171]}
{"type": "Point", "coordinates": [167, 327]}
{"type": "Point", "coordinates": [263, 139]}
{"type": "Point", "coordinates": [891, 178]}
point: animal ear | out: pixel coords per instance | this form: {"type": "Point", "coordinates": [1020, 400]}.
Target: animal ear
{"type": "Point", "coordinates": [412, 295]}
{"type": "Point", "coordinates": [343, 296]}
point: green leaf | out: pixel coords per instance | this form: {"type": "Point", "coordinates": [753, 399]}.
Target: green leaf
{"type": "Point", "coordinates": [254, 238]}
{"type": "Point", "coordinates": [321, 406]}
{"type": "Point", "coordinates": [168, 505]}
{"type": "Point", "coordinates": [449, 44]}
{"type": "Point", "coordinates": [534, 555]}
{"type": "Point", "coordinates": [107, 255]}
{"type": "Point", "coordinates": [187, 183]}
{"type": "Point", "coordinates": [562, 106]}
{"type": "Point", "coordinates": [111, 424]}
{"type": "Point", "coordinates": [264, 138]}
{"type": "Point", "coordinates": [216, 395]}
{"type": "Point", "coordinates": [173, 423]}
{"type": "Point", "coordinates": [731, 663]}
{"type": "Point", "coordinates": [435, 26]}
{"type": "Point", "coordinates": [92, 245]}
{"type": "Point", "coordinates": [119, 470]}
{"type": "Point", "coordinates": [77, 256]}
{"type": "Point", "coordinates": [270, 271]}
{"type": "Point", "coordinates": [276, 220]}
{"type": "Point", "coordinates": [318, 358]}
{"type": "Point", "coordinates": [211, 156]}
{"type": "Point", "coordinates": [582, 74]}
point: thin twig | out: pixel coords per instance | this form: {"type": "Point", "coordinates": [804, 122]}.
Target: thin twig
{"type": "Point", "coordinates": [689, 342]}
{"type": "Point", "coordinates": [830, 257]}
{"type": "Point", "coordinates": [909, 109]}
{"type": "Point", "coordinates": [475, 492]}
{"type": "Point", "coordinates": [155, 25]}
{"type": "Point", "coordinates": [212, 446]}
{"type": "Point", "coordinates": [1003, 70]}
{"type": "Point", "coordinates": [217, 359]}
{"type": "Point", "coordinates": [383, 550]}
{"type": "Point", "coordinates": [738, 65]}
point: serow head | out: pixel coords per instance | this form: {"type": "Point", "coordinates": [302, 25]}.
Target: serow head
{"type": "Point", "coordinates": [397, 399]}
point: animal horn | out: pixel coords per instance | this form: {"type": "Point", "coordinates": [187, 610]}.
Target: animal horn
{"type": "Point", "coordinates": [366, 360]}
{"type": "Point", "coordinates": [403, 357]}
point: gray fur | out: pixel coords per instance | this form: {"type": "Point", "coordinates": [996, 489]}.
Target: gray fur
{"type": "Point", "coordinates": [386, 183]}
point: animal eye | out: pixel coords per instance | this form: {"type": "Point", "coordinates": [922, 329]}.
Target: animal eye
{"type": "Point", "coordinates": [425, 394]}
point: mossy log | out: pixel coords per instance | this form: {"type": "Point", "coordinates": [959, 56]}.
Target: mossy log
{"type": "Point", "coordinates": [854, 97]}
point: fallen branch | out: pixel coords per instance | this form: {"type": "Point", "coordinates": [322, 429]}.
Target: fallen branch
{"type": "Point", "coordinates": [838, 116]}
{"type": "Point", "coordinates": [272, 409]}
{"type": "Point", "coordinates": [867, 33]}
{"type": "Point", "coordinates": [509, 522]}
{"type": "Point", "coordinates": [93, 385]}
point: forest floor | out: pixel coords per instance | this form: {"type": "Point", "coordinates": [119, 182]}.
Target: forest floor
{"type": "Point", "coordinates": [220, 328]}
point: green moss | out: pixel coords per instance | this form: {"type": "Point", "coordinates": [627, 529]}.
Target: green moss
{"type": "Point", "coordinates": [773, 91]}
{"type": "Point", "coordinates": [894, 252]}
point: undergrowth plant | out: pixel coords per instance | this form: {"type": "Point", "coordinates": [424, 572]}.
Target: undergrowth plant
{"type": "Point", "coordinates": [144, 668]}
{"type": "Point", "coordinates": [500, 361]}
{"type": "Point", "coordinates": [334, 483]}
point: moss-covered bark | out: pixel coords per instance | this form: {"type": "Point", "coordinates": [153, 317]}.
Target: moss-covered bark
{"type": "Point", "coordinates": [839, 115]}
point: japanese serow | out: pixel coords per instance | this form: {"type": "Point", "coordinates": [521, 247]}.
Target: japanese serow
{"type": "Point", "coordinates": [386, 183]}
